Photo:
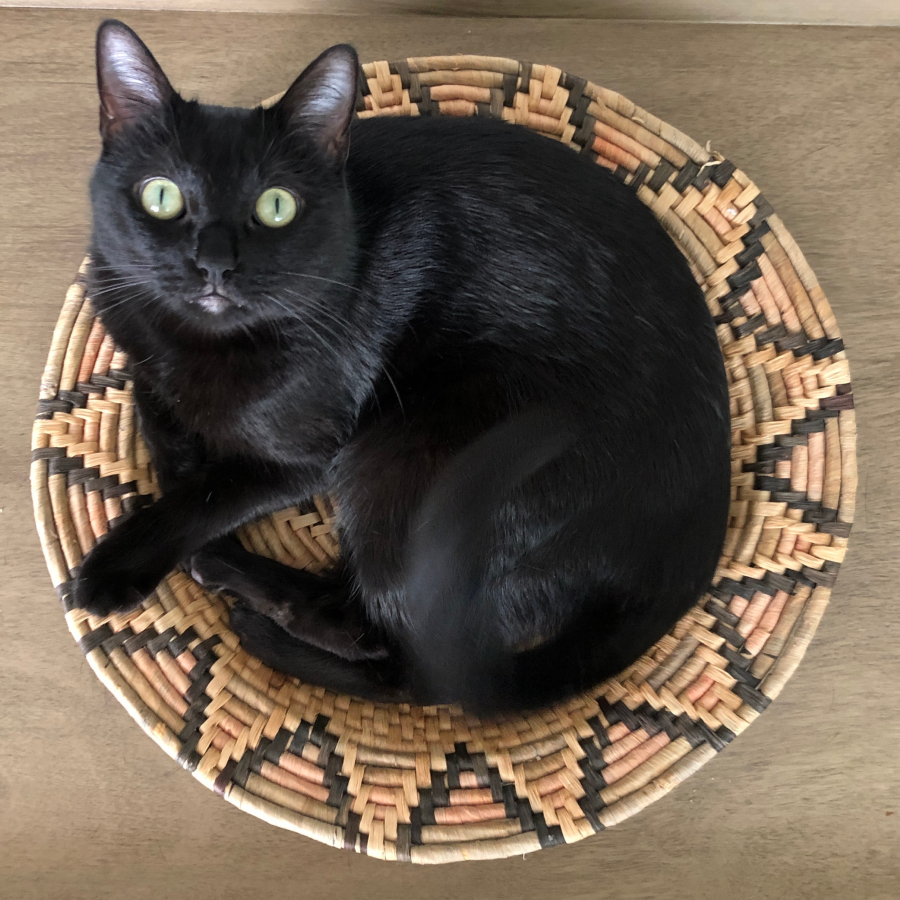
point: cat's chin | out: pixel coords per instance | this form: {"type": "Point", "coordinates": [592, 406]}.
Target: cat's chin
{"type": "Point", "coordinates": [213, 314]}
{"type": "Point", "coordinates": [214, 304]}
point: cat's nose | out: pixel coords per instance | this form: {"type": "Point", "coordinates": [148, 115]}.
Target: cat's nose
{"type": "Point", "coordinates": [215, 275]}
{"type": "Point", "coordinates": [216, 253]}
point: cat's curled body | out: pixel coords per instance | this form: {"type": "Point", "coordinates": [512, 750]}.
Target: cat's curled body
{"type": "Point", "coordinates": [482, 346]}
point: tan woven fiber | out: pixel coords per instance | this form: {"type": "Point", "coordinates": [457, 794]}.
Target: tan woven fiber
{"type": "Point", "coordinates": [434, 784]}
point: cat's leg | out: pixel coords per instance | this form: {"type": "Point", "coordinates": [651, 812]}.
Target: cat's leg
{"type": "Point", "coordinates": [318, 609]}
{"type": "Point", "coordinates": [127, 564]}
{"type": "Point", "coordinates": [176, 454]}
{"type": "Point", "coordinates": [380, 680]}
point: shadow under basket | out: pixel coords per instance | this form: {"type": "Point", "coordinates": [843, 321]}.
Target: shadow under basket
{"type": "Point", "coordinates": [434, 784]}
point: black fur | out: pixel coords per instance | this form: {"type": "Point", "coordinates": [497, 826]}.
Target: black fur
{"type": "Point", "coordinates": [481, 345]}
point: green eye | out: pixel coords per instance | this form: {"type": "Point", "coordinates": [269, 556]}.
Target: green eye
{"type": "Point", "coordinates": [162, 198]}
{"type": "Point", "coordinates": [276, 207]}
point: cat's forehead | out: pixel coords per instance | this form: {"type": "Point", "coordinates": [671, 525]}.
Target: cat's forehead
{"type": "Point", "coordinates": [224, 140]}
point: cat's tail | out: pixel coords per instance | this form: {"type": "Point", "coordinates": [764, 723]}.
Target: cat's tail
{"type": "Point", "coordinates": [455, 648]}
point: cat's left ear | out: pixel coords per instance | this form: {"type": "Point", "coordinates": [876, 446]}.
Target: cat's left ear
{"type": "Point", "coordinates": [130, 81]}
{"type": "Point", "coordinates": [321, 101]}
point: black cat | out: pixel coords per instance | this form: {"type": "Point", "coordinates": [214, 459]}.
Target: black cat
{"type": "Point", "coordinates": [481, 345]}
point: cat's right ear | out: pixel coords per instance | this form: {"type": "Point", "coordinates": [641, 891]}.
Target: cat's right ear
{"type": "Point", "coordinates": [132, 86]}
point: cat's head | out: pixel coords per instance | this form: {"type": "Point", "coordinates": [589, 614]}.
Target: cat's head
{"type": "Point", "coordinates": [218, 219]}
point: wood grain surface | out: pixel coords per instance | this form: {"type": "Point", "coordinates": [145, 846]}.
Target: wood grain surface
{"type": "Point", "coordinates": [805, 804]}
{"type": "Point", "coordinates": [814, 12]}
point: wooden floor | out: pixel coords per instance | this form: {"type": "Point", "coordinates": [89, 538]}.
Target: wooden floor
{"type": "Point", "coordinates": [813, 12]}
{"type": "Point", "coordinates": [806, 804]}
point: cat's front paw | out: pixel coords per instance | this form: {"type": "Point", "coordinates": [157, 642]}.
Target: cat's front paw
{"type": "Point", "coordinates": [103, 596]}
{"type": "Point", "coordinates": [115, 578]}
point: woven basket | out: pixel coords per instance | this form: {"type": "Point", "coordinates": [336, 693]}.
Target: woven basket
{"type": "Point", "coordinates": [434, 784]}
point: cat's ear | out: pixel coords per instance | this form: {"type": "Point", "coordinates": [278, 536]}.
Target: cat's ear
{"type": "Point", "coordinates": [130, 81]}
{"type": "Point", "coordinates": [321, 101]}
